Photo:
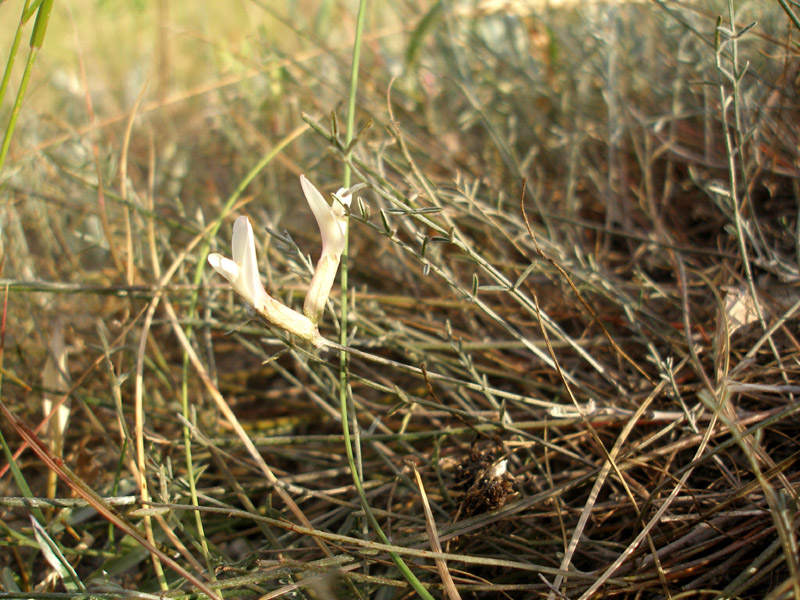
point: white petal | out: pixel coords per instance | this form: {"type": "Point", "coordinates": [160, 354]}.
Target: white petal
{"type": "Point", "coordinates": [344, 196]}
{"type": "Point", "coordinates": [242, 240]}
{"type": "Point", "coordinates": [342, 199]}
{"type": "Point", "coordinates": [320, 287]}
{"type": "Point", "coordinates": [244, 254]}
{"type": "Point", "coordinates": [259, 295]}
{"type": "Point", "coordinates": [330, 228]}
{"type": "Point", "coordinates": [224, 266]}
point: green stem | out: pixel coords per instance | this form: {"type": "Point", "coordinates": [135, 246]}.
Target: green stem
{"type": "Point", "coordinates": [12, 56]}
{"type": "Point", "coordinates": [37, 39]}
{"type": "Point", "coordinates": [343, 355]}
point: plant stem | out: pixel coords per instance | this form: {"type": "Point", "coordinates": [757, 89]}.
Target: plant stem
{"type": "Point", "coordinates": [37, 39]}
{"type": "Point", "coordinates": [343, 355]}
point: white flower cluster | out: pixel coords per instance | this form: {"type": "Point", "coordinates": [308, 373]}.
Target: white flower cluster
{"type": "Point", "coordinates": [242, 272]}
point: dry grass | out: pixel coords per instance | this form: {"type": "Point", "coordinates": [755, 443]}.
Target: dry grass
{"type": "Point", "coordinates": [626, 342]}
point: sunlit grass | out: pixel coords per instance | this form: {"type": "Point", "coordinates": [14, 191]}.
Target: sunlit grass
{"type": "Point", "coordinates": [551, 318]}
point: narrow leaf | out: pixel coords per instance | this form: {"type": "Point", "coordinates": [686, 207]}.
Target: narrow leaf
{"type": "Point", "coordinates": [425, 26]}
{"type": "Point", "coordinates": [56, 559]}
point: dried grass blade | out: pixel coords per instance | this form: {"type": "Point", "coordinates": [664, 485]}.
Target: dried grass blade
{"type": "Point", "coordinates": [54, 378]}
{"type": "Point", "coordinates": [433, 536]}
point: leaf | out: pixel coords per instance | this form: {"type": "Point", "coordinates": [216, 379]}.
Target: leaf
{"type": "Point", "coordinates": [740, 310]}
{"type": "Point", "coordinates": [424, 27]}
{"type": "Point", "coordinates": [9, 581]}
{"type": "Point", "coordinates": [56, 559]}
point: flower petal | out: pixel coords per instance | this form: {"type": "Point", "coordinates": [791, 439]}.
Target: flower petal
{"type": "Point", "coordinates": [224, 266]}
{"type": "Point", "coordinates": [330, 229]}
{"type": "Point", "coordinates": [344, 196]}
{"type": "Point", "coordinates": [242, 274]}
{"type": "Point", "coordinates": [243, 242]}
{"type": "Point", "coordinates": [244, 255]}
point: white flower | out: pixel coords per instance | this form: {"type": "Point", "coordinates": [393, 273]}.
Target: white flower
{"type": "Point", "coordinates": [332, 222]}
{"type": "Point", "coordinates": [242, 273]}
